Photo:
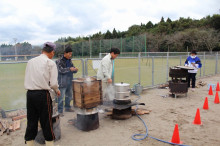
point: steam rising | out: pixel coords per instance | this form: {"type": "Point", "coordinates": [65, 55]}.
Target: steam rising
{"type": "Point", "coordinates": [110, 92]}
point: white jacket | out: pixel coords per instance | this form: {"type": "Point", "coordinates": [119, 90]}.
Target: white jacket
{"type": "Point", "coordinates": [105, 69]}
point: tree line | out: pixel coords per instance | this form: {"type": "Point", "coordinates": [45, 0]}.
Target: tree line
{"type": "Point", "coordinates": [167, 35]}
{"type": "Point", "coordinates": [180, 35]}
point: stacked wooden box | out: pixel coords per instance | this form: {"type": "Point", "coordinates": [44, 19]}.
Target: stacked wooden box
{"type": "Point", "coordinates": [87, 92]}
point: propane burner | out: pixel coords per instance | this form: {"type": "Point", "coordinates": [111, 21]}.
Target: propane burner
{"type": "Point", "coordinates": [121, 102]}
{"type": "Point", "coordinates": [122, 109]}
{"type": "Point", "coordinates": [122, 114]}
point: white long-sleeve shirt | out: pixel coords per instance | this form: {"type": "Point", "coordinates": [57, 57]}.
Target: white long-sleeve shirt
{"type": "Point", "coordinates": [41, 74]}
{"type": "Point", "coordinates": [105, 69]}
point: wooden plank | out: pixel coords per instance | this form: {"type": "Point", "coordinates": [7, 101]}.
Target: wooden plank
{"type": "Point", "coordinates": [92, 105]}
{"type": "Point", "coordinates": [77, 104]}
{"type": "Point", "coordinates": [86, 88]}
{"type": "Point", "coordinates": [16, 125]}
{"type": "Point", "coordinates": [93, 87]}
{"type": "Point", "coordinates": [88, 96]}
{"type": "Point", "coordinates": [19, 117]}
{"type": "Point", "coordinates": [185, 67]}
{"type": "Point", "coordinates": [91, 95]}
{"type": "Point", "coordinates": [77, 87]}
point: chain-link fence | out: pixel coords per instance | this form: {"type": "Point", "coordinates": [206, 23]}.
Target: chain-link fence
{"type": "Point", "coordinates": [152, 68]}
{"type": "Point", "coordinates": [12, 92]}
{"type": "Point", "coordinates": [149, 69]}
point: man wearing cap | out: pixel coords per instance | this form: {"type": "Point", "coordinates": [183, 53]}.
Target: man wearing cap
{"type": "Point", "coordinates": [40, 77]}
{"type": "Point", "coordinates": [193, 61]}
{"type": "Point", "coordinates": [65, 77]}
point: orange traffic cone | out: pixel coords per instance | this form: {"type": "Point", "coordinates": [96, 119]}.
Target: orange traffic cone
{"type": "Point", "coordinates": [210, 90]}
{"type": "Point", "coordinates": [206, 105]}
{"type": "Point", "coordinates": [197, 120]}
{"type": "Point", "coordinates": [217, 87]}
{"type": "Point", "coordinates": [176, 137]}
{"type": "Point", "coordinates": [216, 98]}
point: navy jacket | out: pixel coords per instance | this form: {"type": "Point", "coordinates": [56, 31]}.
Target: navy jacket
{"type": "Point", "coordinates": [65, 75]}
{"type": "Point", "coordinates": [195, 60]}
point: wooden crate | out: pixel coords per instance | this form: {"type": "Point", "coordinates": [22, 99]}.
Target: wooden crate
{"type": "Point", "coordinates": [87, 94]}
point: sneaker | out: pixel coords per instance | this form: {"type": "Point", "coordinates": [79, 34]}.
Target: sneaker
{"type": "Point", "coordinates": [193, 89]}
{"type": "Point", "coordinates": [69, 110]}
{"type": "Point", "coordinates": [61, 114]}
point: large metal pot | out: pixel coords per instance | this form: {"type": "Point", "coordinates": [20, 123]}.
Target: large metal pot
{"type": "Point", "coordinates": [122, 91]}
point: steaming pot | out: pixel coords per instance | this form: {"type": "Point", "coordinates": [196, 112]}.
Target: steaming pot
{"type": "Point", "coordinates": [122, 91]}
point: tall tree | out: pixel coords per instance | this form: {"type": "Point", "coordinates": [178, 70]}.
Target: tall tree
{"type": "Point", "coordinates": [114, 33]}
{"type": "Point", "coordinates": [108, 35]}
{"type": "Point", "coordinates": [149, 25]}
{"type": "Point", "coordinates": [169, 20]}
{"type": "Point", "coordinates": [162, 20]}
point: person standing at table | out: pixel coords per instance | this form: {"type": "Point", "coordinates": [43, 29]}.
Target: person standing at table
{"type": "Point", "coordinates": [195, 62]}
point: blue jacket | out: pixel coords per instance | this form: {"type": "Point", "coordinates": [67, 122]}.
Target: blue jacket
{"type": "Point", "coordinates": [65, 75]}
{"type": "Point", "coordinates": [195, 60]}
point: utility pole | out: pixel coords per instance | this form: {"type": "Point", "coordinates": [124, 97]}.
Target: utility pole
{"type": "Point", "coordinates": [15, 41]}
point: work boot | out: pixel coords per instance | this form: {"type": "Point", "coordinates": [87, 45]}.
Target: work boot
{"type": "Point", "coordinates": [61, 114]}
{"type": "Point", "coordinates": [49, 143]}
{"type": "Point", "coordinates": [30, 143]}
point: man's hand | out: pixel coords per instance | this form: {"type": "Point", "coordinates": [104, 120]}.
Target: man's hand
{"type": "Point", "coordinates": [58, 93]}
{"type": "Point", "coordinates": [73, 69]}
{"type": "Point", "coordinates": [109, 81]}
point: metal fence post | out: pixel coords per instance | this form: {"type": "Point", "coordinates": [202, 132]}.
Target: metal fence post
{"type": "Point", "coordinates": [153, 71]}
{"type": "Point", "coordinates": [82, 49]}
{"type": "Point", "coordinates": [145, 43]}
{"type": "Point", "coordinates": [100, 46]}
{"type": "Point", "coordinates": [133, 44]}
{"type": "Point", "coordinates": [113, 75]}
{"type": "Point", "coordinates": [167, 66]}
{"type": "Point", "coordinates": [139, 68]}
{"type": "Point", "coordinates": [204, 64]}
{"type": "Point", "coordinates": [90, 47]}
{"type": "Point", "coordinates": [216, 63]}
{"type": "Point", "coordinates": [83, 68]}
{"type": "Point", "coordinates": [86, 67]}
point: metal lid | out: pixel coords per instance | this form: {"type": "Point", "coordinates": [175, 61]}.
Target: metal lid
{"type": "Point", "coordinates": [122, 84]}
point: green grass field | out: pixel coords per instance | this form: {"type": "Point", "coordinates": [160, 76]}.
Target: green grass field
{"type": "Point", "coordinates": [12, 92]}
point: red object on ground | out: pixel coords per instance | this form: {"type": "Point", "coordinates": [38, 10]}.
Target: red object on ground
{"type": "Point", "coordinates": [217, 87]}
{"type": "Point", "coordinates": [176, 137]}
{"type": "Point", "coordinates": [206, 105]}
{"type": "Point", "coordinates": [216, 98]}
{"type": "Point", "coordinates": [197, 120]}
{"type": "Point", "coordinates": [210, 90]}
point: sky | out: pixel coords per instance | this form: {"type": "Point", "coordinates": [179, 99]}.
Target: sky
{"type": "Point", "coordinates": [38, 21]}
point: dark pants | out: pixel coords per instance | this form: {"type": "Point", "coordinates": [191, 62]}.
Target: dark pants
{"type": "Point", "coordinates": [193, 77]}
{"type": "Point", "coordinates": [39, 107]}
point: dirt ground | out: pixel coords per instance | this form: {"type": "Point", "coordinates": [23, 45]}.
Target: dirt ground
{"type": "Point", "coordinates": [166, 112]}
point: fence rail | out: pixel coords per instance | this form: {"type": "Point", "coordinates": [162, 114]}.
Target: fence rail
{"type": "Point", "coordinates": [148, 69]}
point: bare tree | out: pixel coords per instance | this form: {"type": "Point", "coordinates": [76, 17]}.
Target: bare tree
{"type": "Point", "coordinates": [210, 38]}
